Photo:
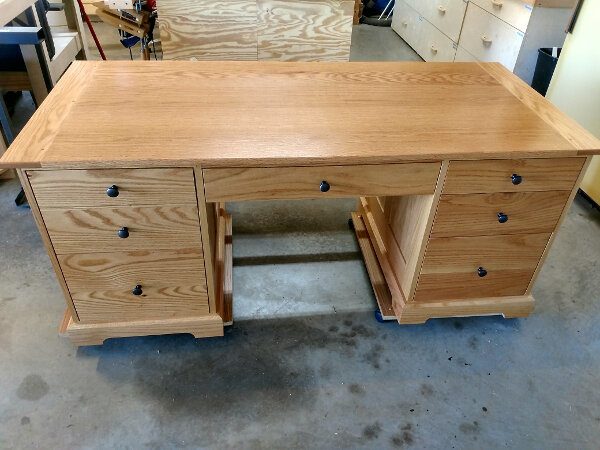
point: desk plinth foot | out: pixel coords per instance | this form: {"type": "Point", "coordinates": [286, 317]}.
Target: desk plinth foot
{"type": "Point", "coordinates": [96, 333]}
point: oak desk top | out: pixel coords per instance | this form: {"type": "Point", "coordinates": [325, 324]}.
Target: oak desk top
{"type": "Point", "coordinates": [241, 114]}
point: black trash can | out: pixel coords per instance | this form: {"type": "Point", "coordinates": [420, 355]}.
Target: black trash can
{"type": "Point", "coordinates": [544, 68]}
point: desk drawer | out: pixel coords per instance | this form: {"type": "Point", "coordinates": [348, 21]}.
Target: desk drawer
{"type": "Point", "coordinates": [498, 213]}
{"type": "Point", "coordinates": [172, 284]}
{"type": "Point", "coordinates": [451, 267]}
{"type": "Point", "coordinates": [88, 188]}
{"type": "Point", "coordinates": [326, 181]}
{"type": "Point", "coordinates": [127, 228]}
{"type": "Point", "coordinates": [515, 12]}
{"type": "Point", "coordinates": [556, 174]}
{"type": "Point", "coordinates": [490, 39]}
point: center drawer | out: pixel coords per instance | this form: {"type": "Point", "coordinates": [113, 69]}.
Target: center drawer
{"type": "Point", "coordinates": [223, 185]}
{"type": "Point", "coordinates": [136, 285]}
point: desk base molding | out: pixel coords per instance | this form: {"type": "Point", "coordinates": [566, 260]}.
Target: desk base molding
{"type": "Point", "coordinates": [96, 333]}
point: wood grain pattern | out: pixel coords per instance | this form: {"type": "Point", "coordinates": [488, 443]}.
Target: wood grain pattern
{"type": "Point", "coordinates": [67, 189]}
{"type": "Point", "coordinates": [304, 182]}
{"type": "Point", "coordinates": [465, 285]}
{"type": "Point", "coordinates": [509, 307]}
{"type": "Point", "coordinates": [378, 283]}
{"type": "Point", "coordinates": [31, 143]}
{"type": "Point", "coordinates": [231, 114]}
{"type": "Point", "coordinates": [465, 177]}
{"type": "Point", "coordinates": [307, 30]}
{"type": "Point", "coordinates": [205, 30]}
{"type": "Point", "coordinates": [150, 228]}
{"type": "Point", "coordinates": [466, 254]}
{"type": "Point", "coordinates": [578, 136]}
{"type": "Point", "coordinates": [224, 268]}
{"type": "Point", "coordinates": [39, 221]}
{"type": "Point", "coordinates": [157, 302]}
{"type": "Point", "coordinates": [123, 270]}
{"type": "Point", "coordinates": [95, 334]}
{"type": "Point", "coordinates": [477, 214]}
{"type": "Point", "coordinates": [560, 221]}
{"type": "Point", "coordinates": [208, 223]}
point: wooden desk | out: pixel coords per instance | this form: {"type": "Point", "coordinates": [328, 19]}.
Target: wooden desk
{"type": "Point", "coordinates": [463, 175]}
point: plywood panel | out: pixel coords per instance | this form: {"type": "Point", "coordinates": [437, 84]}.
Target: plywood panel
{"type": "Point", "coordinates": [305, 30]}
{"type": "Point", "coordinates": [208, 30]}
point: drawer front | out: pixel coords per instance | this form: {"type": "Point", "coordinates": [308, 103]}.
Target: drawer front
{"type": "Point", "coordinates": [480, 266]}
{"type": "Point", "coordinates": [315, 182]}
{"type": "Point", "coordinates": [498, 213]}
{"type": "Point", "coordinates": [127, 228]}
{"type": "Point", "coordinates": [429, 42]}
{"type": "Point", "coordinates": [556, 174]}
{"type": "Point", "coordinates": [490, 39]}
{"type": "Point", "coordinates": [433, 45]}
{"type": "Point", "coordinates": [463, 56]}
{"type": "Point", "coordinates": [67, 189]}
{"type": "Point", "coordinates": [173, 284]}
{"type": "Point", "coordinates": [404, 22]}
{"type": "Point", "coordinates": [446, 15]}
{"type": "Point", "coordinates": [515, 12]}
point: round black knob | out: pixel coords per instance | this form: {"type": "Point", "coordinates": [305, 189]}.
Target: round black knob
{"type": "Point", "coordinates": [324, 186]}
{"type": "Point", "coordinates": [137, 290]}
{"type": "Point", "coordinates": [123, 233]}
{"type": "Point", "coordinates": [481, 272]}
{"type": "Point", "coordinates": [112, 191]}
{"type": "Point", "coordinates": [516, 179]}
{"type": "Point", "coordinates": [502, 218]}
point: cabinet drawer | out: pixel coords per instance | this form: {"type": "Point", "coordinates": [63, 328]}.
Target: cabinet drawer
{"type": "Point", "coordinates": [490, 39]}
{"type": "Point", "coordinates": [88, 188]}
{"type": "Point", "coordinates": [173, 284]}
{"type": "Point", "coordinates": [451, 266]}
{"type": "Point", "coordinates": [498, 213]}
{"type": "Point", "coordinates": [326, 181]}
{"type": "Point", "coordinates": [515, 12]}
{"type": "Point", "coordinates": [446, 15]}
{"type": "Point", "coordinates": [429, 42]}
{"type": "Point", "coordinates": [554, 174]}
{"type": "Point", "coordinates": [123, 229]}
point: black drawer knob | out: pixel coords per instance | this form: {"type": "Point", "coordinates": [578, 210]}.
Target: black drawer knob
{"type": "Point", "coordinates": [324, 186]}
{"type": "Point", "coordinates": [137, 290]}
{"type": "Point", "coordinates": [481, 272]}
{"type": "Point", "coordinates": [123, 232]}
{"type": "Point", "coordinates": [502, 218]}
{"type": "Point", "coordinates": [516, 179]}
{"type": "Point", "coordinates": [112, 191]}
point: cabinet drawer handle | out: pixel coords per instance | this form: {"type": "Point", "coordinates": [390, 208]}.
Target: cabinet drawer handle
{"type": "Point", "coordinates": [405, 24]}
{"type": "Point", "coordinates": [433, 48]}
{"type": "Point", "coordinates": [442, 9]}
{"type": "Point", "coordinates": [497, 4]}
{"type": "Point", "coordinates": [324, 186]}
{"type": "Point", "coordinates": [516, 179]}
{"type": "Point", "coordinates": [481, 272]}
{"type": "Point", "coordinates": [486, 40]}
{"type": "Point", "coordinates": [502, 218]}
{"type": "Point", "coordinates": [123, 233]}
{"type": "Point", "coordinates": [137, 290]}
{"type": "Point", "coordinates": [112, 191]}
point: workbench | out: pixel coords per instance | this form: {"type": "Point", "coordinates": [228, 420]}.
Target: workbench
{"type": "Point", "coordinates": [463, 175]}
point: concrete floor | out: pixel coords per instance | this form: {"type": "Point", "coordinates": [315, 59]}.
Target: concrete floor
{"type": "Point", "coordinates": [305, 365]}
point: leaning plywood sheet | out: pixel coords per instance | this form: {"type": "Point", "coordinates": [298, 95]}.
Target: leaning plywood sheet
{"type": "Point", "coordinates": [306, 30]}
{"type": "Point", "coordinates": [282, 30]}
{"type": "Point", "coordinates": [208, 30]}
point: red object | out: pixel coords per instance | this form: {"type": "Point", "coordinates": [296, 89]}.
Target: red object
{"type": "Point", "coordinates": [89, 24]}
